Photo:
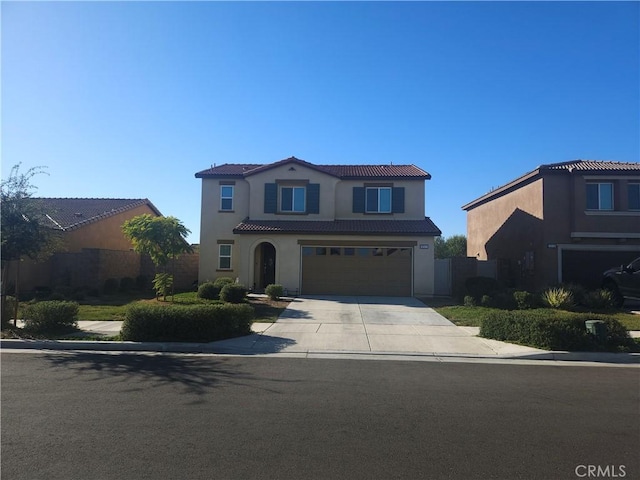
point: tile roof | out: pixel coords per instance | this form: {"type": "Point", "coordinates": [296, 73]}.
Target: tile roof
{"type": "Point", "coordinates": [340, 171]}
{"type": "Point", "coordinates": [570, 167]}
{"type": "Point", "coordinates": [340, 227]}
{"type": "Point", "coordinates": [71, 213]}
{"type": "Point", "coordinates": [592, 166]}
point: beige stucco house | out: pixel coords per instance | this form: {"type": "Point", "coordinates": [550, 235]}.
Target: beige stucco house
{"type": "Point", "coordinates": [562, 222]}
{"type": "Point", "coordinates": [318, 229]}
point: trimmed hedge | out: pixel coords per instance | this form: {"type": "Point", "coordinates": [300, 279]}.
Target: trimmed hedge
{"type": "Point", "coordinates": [220, 282]}
{"type": "Point", "coordinates": [50, 316]}
{"type": "Point", "coordinates": [208, 291]}
{"type": "Point", "coordinates": [233, 293]}
{"type": "Point", "coordinates": [181, 323]}
{"type": "Point", "coordinates": [552, 330]}
{"type": "Point", "coordinates": [274, 291]}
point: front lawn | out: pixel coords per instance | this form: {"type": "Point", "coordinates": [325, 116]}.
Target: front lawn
{"type": "Point", "coordinates": [473, 316]}
{"type": "Point", "coordinates": [113, 308]}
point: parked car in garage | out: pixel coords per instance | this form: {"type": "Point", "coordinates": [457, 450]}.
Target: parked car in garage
{"type": "Point", "coordinates": [623, 281]}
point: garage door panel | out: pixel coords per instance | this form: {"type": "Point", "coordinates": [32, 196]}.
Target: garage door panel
{"type": "Point", "coordinates": [366, 271]}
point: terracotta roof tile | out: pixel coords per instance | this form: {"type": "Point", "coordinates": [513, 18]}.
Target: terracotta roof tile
{"type": "Point", "coordinates": [71, 213]}
{"type": "Point", "coordinates": [592, 166]}
{"type": "Point", "coordinates": [340, 227]}
{"type": "Point", "coordinates": [341, 171]}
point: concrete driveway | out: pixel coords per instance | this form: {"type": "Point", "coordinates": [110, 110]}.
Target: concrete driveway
{"type": "Point", "coordinates": [365, 324]}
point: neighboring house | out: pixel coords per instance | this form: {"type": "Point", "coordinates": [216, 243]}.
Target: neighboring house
{"type": "Point", "coordinates": [563, 222]}
{"type": "Point", "coordinates": [93, 247]}
{"type": "Point", "coordinates": [318, 229]}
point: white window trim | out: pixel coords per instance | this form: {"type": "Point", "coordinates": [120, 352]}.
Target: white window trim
{"type": "Point", "coordinates": [225, 198]}
{"type": "Point", "coordinates": [293, 188]}
{"type": "Point", "coordinates": [378, 207]}
{"type": "Point", "coordinates": [220, 256]}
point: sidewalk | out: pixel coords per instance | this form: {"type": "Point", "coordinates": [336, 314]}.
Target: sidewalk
{"type": "Point", "coordinates": [298, 333]}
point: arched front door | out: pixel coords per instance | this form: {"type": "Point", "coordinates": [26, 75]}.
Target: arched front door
{"type": "Point", "coordinates": [264, 266]}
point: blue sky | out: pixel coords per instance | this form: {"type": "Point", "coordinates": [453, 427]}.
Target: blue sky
{"type": "Point", "coordinates": [131, 99]}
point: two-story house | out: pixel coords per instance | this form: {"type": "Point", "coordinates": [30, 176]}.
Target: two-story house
{"type": "Point", "coordinates": [318, 229]}
{"type": "Point", "coordinates": [562, 222]}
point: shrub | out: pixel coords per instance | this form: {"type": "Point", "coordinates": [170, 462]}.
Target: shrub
{"type": "Point", "coordinates": [559, 298]}
{"type": "Point", "coordinates": [110, 286]}
{"type": "Point", "coordinates": [600, 299]}
{"type": "Point", "coordinates": [469, 301]}
{"type": "Point", "coordinates": [479, 286]}
{"type": "Point", "coordinates": [162, 284]}
{"type": "Point", "coordinates": [274, 291]}
{"type": "Point", "coordinates": [578, 292]}
{"type": "Point", "coordinates": [524, 300]}
{"type": "Point", "coordinates": [50, 317]}
{"type": "Point", "coordinates": [486, 301]}
{"type": "Point", "coordinates": [220, 282]}
{"type": "Point", "coordinates": [181, 323]}
{"type": "Point", "coordinates": [553, 330]}
{"type": "Point", "coordinates": [127, 284]}
{"type": "Point", "coordinates": [208, 291]}
{"type": "Point", "coordinates": [233, 293]}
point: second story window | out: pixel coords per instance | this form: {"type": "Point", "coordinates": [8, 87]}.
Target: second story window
{"type": "Point", "coordinates": [633, 192]}
{"type": "Point", "coordinates": [292, 199]}
{"type": "Point", "coordinates": [226, 197]}
{"type": "Point", "coordinates": [378, 200]}
{"type": "Point", "coordinates": [599, 196]}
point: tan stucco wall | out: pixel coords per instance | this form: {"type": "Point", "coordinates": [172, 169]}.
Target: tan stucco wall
{"type": "Point", "coordinates": [489, 220]}
{"type": "Point", "coordinates": [327, 187]}
{"type": "Point", "coordinates": [105, 234]}
{"type": "Point", "coordinates": [288, 258]}
{"type": "Point", "coordinates": [413, 200]}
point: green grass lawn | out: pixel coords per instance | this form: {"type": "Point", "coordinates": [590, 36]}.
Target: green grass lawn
{"type": "Point", "coordinates": [473, 316]}
{"type": "Point", "coordinates": [109, 308]}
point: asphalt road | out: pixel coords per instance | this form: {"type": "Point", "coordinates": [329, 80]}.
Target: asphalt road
{"type": "Point", "coordinates": [69, 416]}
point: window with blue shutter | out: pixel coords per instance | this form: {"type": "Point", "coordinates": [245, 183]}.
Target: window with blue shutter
{"type": "Point", "coordinates": [358, 200]}
{"type": "Point", "coordinates": [270, 197]}
{"type": "Point", "coordinates": [313, 198]}
{"type": "Point", "coordinates": [397, 201]}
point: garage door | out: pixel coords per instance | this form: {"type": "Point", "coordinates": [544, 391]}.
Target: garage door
{"type": "Point", "coordinates": [586, 267]}
{"type": "Point", "coordinates": [356, 271]}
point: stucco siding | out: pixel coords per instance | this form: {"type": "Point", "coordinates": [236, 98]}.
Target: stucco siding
{"type": "Point", "coordinates": [104, 234]}
{"type": "Point", "coordinates": [303, 174]}
{"type": "Point", "coordinates": [288, 259]}
{"type": "Point", "coordinates": [501, 218]}
{"type": "Point", "coordinates": [413, 200]}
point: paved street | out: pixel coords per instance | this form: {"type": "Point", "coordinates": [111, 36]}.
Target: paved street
{"type": "Point", "coordinates": [70, 415]}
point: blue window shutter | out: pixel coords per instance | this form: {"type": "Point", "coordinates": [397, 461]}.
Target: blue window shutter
{"type": "Point", "coordinates": [358, 199]}
{"type": "Point", "coordinates": [270, 197]}
{"type": "Point", "coordinates": [397, 200]}
{"type": "Point", "coordinates": [313, 198]}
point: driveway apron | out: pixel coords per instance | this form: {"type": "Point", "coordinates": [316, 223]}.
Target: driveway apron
{"type": "Point", "coordinates": [363, 324]}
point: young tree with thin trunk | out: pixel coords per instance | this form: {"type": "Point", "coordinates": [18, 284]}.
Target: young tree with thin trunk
{"type": "Point", "coordinates": [163, 239]}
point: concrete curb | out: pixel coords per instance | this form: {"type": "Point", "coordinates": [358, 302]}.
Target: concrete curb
{"type": "Point", "coordinates": [629, 359]}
